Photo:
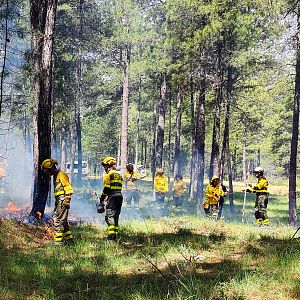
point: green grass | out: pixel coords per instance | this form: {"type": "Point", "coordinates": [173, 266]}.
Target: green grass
{"type": "Point", "coordinates": [182, 256]}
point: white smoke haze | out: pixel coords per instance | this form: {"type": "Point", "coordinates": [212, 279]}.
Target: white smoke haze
{"type": "Point", "coordinates": [18, 182]}
{"type": "Point", "coordinates": [18, 166]}
{"type": "Point", "coordinates": [84, 211]}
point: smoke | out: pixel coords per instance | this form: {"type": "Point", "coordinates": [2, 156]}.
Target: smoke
{"type": "Point", "coordinates": [18, 165]}
{"type": "Point", "coordinates": [83, 209]}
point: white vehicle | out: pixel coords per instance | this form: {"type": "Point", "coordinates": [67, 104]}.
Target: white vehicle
{"type": "Point", "coordinates": [141, 170]}
{"type": "Point", "coordinates": [85, 168]}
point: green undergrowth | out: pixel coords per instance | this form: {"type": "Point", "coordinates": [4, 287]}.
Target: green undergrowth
{"type": "Point", "coordinates": [167, 258]}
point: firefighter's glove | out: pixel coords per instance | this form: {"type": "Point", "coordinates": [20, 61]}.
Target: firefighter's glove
{"type": "Point", "coordinates": [100, 207]}
{"type": "Point", "coordinates": [67, 201]}
{"type": "Point", "coordinates": [205, 205]}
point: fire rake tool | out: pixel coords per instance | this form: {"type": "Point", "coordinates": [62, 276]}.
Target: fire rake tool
{"type": "Point", "coordinates": [295, 234]}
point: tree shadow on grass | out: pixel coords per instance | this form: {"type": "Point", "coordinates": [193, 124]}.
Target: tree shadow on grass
{"type": "Point", "coordinates": [50, 278]}
{"type": "Point", "coordinates": [183, 237]}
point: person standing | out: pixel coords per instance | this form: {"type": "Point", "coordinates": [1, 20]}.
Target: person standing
{"type": "Point", "coordinates": [160, 187]}
{"type": "Point", "coordinates": [213, 192]}
{"type": "Point", "coordinates": [221, 201]}
{"type": "Point", "coordinates": [179, 188]}
{"type": "Point", "coordinates": [63, 192]}
{"type": "Point", "coordinates": [112, 186]}
{"type": "Point", "coordinates": [130, 179]}
{"type": "Point", "coordinates": [262, 197]}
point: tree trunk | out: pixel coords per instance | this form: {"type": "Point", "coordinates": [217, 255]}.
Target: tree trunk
{"type": "Point", "coordinates": [63, 145]}
{"type": "Point", "coordinates": [137, 137]}
{"type": "Point", "coordinates": [226, 139]}
{"type": "Point", "coordinates": [155, 114]}
{"type": "Point", "coordinates": [193, 177]}
{"type": "Point", "coordinates": [234, 164]}
{"type": "Point", "coordinates": [197, 166]}
{"type": "Point", "coordinates": [4, 56]}
{"type": "Point", "coordinates": [215, 148]}
{"type": "Point", "coordinates": [169, 139]}
{"type": "Point", "coordinates": [295, 134]}
{"type": "Point", "coordinates": [79, 96]}
{"type": "Point", "coordinates": [258, 157]}
{"type": "Point", "coordinates": [125, 100]}
{"type": "Point", "coordinates": [72, 152]}
{"type": "Point", "coordinates": [160, 127]}
{"type": "Point", "coordinates": [42, 17]}
{"type": "Point", "coordinates": [177, 158]}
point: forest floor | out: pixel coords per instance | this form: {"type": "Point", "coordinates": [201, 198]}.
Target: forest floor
{"type": "Point", "coordinates": [178, 256]}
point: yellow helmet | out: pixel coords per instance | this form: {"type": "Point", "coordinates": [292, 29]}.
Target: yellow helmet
{"type": "Point", "coordinates": [48, 163]}
{"type": "Point", "coordinates": [215, 178]}
{"type": "Point", "coordinates": [109, 161]}
{"type": "Point", "coordinates": [159, 171]}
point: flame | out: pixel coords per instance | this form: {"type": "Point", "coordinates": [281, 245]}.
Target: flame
{"type": "Point", "coordinates": [39, 215]}
{"type": "Point", "coordinates": [11, 207]}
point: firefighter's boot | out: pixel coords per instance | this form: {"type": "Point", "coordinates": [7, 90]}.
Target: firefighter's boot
{"type": "Point", "coordinates": [58, 238]}
{"type": "Point", "coordinates": [68, 238]}
{"type": "Point", "coordinates": [112, 233]}
{"type": "Point", "coordinates": [259, 221]}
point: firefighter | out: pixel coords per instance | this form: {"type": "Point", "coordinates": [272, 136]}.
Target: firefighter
{"type": "Point", "coordinates": [160, 187]}
{"type": "Point", "coordinates": [179, 188]}
{"type": "Point", "coordinates": [130, 179]}
{"type": "Point", "coordinates": [213, 192]}
{"type": "Point", "coordinates": [62, 193]}
{"type": "Point", "coordinates": [262, 197]}
{"type": "Point", "coordinates": [112, 183]}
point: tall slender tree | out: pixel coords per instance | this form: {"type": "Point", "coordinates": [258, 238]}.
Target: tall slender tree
{"type": "Point", "coordinates": [295, 133]}
{"type": "Point", "coordinates": [177, 158]}
{"type": "Point", "coordinates": [42, 17]}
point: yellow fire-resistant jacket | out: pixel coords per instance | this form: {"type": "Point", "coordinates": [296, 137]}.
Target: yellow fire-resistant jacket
{"type": "Point", "coordinates": [179, 188]}
{"type": "Point", "coordinates": [212, 194]}
{"type": "Point", "coordinates": [112, 182]}
{"type": "Point", "coordinates": [160, 184]}
{"type": "Point", "coordinates": [130, 180]}
{"type": "Point", "coordinates": [261, 186]}
{"type": "Point", "coordinates": [62, 185]}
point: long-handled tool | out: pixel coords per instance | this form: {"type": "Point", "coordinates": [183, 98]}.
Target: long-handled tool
{"type": "Point", "coordinates": [295, 233]}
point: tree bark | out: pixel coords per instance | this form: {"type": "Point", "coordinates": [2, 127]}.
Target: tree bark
{"type": "Point", "coordinates": [215, 147]}
{"type": "Point", "coordinates": [160, 127]}
{"type": "Point", "coordinates": [234, 164]}
{"type": "Point", "coordinates": [137, 137]}
{"type": "Point", "coordinates": [193, 181]}
{"type": "Point", "coordinates": [295, 133]}
{"type": "Point", "coordinates": [197, 167]}
{"type": "Point", "coordinates": [72, 152]}
{"type": "Point", "coordinates": [63, 145]}
{"type": "Point", "coordinates": [4, 56]}
{"type": "Point", "coordinates": [177, 158]}
{"type": "Point", "coordinates": [42, 17]}
{"type": "Point", "coordinates": [79, 96]}
{"type": "Point", "coordinates": [125, 100]}
{"type": "Point", "coordinates": [169, 139]}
